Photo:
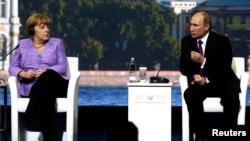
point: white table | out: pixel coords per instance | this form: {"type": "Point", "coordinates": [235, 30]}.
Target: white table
{"type": "Point", "coordinates": [149, 108]}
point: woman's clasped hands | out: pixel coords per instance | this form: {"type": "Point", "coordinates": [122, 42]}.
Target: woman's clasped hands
{"type": "Point", "coordinates": [31, 74]}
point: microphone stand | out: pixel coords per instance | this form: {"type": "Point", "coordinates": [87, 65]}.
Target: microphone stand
{"type": "Point", "coordinates": [158, 73]}
{"type": "Point", "coordinates": [4, 57]}
{"type": "Point", "coordinates": [158, 79]}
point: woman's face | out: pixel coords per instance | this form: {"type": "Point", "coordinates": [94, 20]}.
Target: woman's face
{"type": "Point", "coordinates": [42, 32]}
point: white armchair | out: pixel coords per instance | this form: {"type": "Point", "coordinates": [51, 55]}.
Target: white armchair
{"type": "Point", "coordinates": [213, 104]}
{"type": "Point", "coordinates": [68, 105]}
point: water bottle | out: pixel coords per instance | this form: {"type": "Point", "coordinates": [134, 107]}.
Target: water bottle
{"type": "Point", "coordinates": [132, 71]}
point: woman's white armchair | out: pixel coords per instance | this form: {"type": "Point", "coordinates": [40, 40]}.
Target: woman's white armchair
{"type": "Point", "coordinates": [67, 105]}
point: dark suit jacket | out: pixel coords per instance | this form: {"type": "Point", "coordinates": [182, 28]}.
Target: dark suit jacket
{"type": "Point", "coordinates": [218, 54]}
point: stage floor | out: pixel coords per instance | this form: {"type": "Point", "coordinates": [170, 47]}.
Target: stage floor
{"type": "Point", "coordinates": [96, 136]}
{"type": "Point", "coordinates": [93, 121]}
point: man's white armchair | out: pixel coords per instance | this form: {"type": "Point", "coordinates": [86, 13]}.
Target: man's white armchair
{"type": "Point", "coordinates": [213, 104]}
{"type": "Point", "coordinates": [67, 105]}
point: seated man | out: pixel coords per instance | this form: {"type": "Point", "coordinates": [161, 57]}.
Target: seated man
{"type": "Point", "coordinates": [206, 59]}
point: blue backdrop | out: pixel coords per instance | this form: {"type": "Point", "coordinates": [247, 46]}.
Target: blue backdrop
{"type": "Point", "coordinates": [112, 96]}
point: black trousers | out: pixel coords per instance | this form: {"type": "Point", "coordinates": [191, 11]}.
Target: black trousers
{"type": "Point", "coordinates": [43, 94]}
{"type": "Point", "coordinates": [194, 97]}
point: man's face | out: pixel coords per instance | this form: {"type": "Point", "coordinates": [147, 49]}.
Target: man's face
{"type": "Point", "coordinates": [198, 28]}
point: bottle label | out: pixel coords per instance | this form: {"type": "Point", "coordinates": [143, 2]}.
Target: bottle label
{"type": "Point", "coordinates": [132, 79]}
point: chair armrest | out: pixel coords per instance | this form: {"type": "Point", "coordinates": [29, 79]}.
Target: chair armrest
{"type": "Point", "coordinates": [243, 97]}
{"type": "Point", "coordinates": [244, 82]}
{"type": "Point", "coordinates": [14, 94]}
{"type": "Point", "coordinates": [72, 92]}
{"type": "Point", "coordinates": [185, 118]}
{"type": "Point", "coordinates": [183, 83]}
{"type": "Point", "coordinates": [14, 89]}
{"type": "Point", "coordinates": [72, 106]}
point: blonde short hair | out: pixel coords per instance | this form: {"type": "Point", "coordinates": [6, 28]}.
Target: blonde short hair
{"type": "Point", "coordinates": [36, 19]}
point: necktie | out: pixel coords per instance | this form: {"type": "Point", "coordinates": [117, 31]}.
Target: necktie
{"type": "Point", "coordinates": [199, 47]}
{"type": "Point", "coordinates": [201, 52]}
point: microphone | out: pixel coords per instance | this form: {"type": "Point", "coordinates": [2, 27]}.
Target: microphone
{"type": "Point", "coordinates": [157, 79]}
{"type": "Point", "coordinates": [9, 53]}
{"type": "Point", "coordinates": [158, 68]}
